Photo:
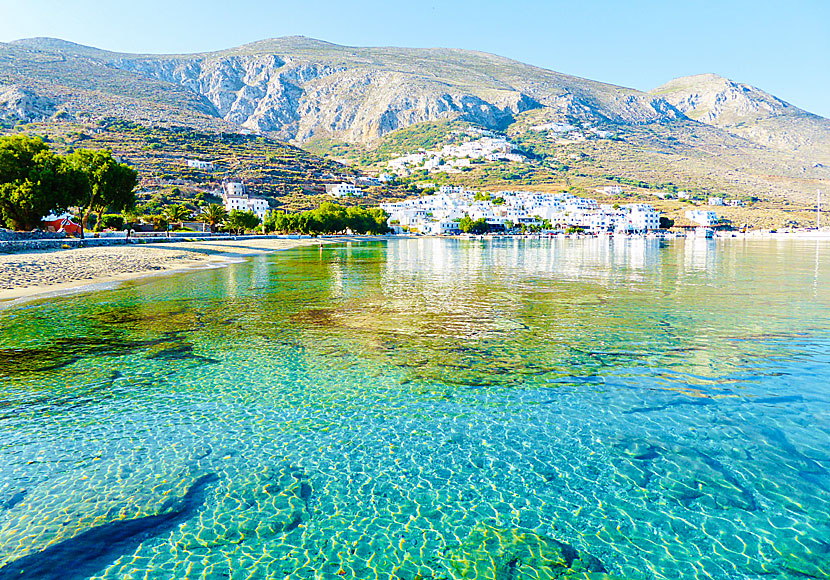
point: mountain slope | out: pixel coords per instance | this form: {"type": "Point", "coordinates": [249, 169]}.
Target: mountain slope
{"type": "Point", "coordinates": [82, 82]}
{"type": "Point", "coordinates": [703, 132]}
{"type": "Point", "coordinates": [299, 88]}
{"type": "Point", "coordinates": [749, 112]}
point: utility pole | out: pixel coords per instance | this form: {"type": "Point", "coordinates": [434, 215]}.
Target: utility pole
{"type": "Point", "coordinates": [818, 209]}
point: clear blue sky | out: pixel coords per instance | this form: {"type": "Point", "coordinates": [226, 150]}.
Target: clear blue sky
{"type": "Point", "coordinates": [782, 47]}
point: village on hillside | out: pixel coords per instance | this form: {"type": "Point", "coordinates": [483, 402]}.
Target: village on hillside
{"type": "Point", "coordinates": [482, 146]}
{"type": "Point", "coordinates": [443, 212]}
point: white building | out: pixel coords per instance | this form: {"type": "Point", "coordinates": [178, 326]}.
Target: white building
{"type": "Point", "coordinates": [640, 217]}
{"type": "Point", "coordinates": [234, 197]}
{"type": "Point", "coordinates": [346, 190]}
{"type": "Point", "coordinates": [369, 181]}
{"type": "Point", "coordinates": [715, 201]}
{"type": "Point", "coordinates": [197, 164]}
{"type": "Point", "coordinates": [434, 213]}
{"type": "Point", "coordinates": [602, 221]}
{"type": "Point", "coordinates": [442, 227]}
{"type": "Point", "coordinates": [233, 188]}
{"type": "Point", "coordinates": [451, 189]}
{"type": "Point", "coordinates": [702, 217]}
{"type": "Point", "coordinates": [453, 157]}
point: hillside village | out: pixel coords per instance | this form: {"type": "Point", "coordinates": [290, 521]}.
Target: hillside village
{"type": "Point", "coordinates": [479, 146]}
{"type": "Point", "coordinates": [442, 213]}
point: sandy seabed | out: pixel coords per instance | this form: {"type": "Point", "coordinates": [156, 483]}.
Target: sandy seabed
{"type": "Point", "coordinates": [29, 274]}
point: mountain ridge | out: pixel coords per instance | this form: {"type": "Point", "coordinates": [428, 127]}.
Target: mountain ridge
{"type": "Point", "coordinates": [749, 112]}
{"type": "Point", "coordinates": [310, 92]}
{"type": "Point", "coordinates": [400, 86]}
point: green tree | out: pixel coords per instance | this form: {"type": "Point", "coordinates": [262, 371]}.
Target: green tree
{"type": "Point", "coordinates": [175, 214]}
{"type": "Point", "coordinates": [329, 218]}
{"type": "Point", "coordinates": [470, 226]}
{"type": "Point", "coordinates": [114, 221]}
{"type": "Point", "coordinates": [132, 216]}
{"type": "Point", "coordinates": [241, 221]}
{"type": "Point", "coordinates": [279, 221]}
{"type": "Point", "coordinates": [34, 182]}
{"type": "Point", "coordinates": [466, 224]}
{"type": "Point", "coordinates": [111, 184]}
{"type": "Point", "coordinates": [213, 215]}
{"type": "Point", "coordinates": [381, 219]}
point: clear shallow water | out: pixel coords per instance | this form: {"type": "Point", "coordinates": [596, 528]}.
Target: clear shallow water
{"type": "Point", "coordinates": [429, 409]}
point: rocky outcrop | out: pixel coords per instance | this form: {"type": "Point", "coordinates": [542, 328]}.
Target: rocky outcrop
{"type": "Point", "coordinates": [20, 103]}
{"type": "Point", "coordinates": [513, 554]}
{"type": "Point", "coordinates": [300, 89]}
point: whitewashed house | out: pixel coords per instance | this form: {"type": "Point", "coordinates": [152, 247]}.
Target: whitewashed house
{"type": "Point", "coordinates": [602, 221]}
{"type": "Point", "coordinates": [642, 217]}
{"type": "Point", "coordinates": [702, 217]}
{"type": "Point", "coordinates": [235, 197]}
{"type": "Point", "coordinates": [345, 190]}
{"type": "Point", "coordinates": [450, 189]}
{"type": "Point", "coordinates": [441, 227]}
{"type": "Point", "coordinates": [197, 164]}
{"type": "Point", "coordinates": [233, 188]}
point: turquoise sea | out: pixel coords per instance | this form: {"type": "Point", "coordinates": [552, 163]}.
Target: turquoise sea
{"type": "Point", "coordinates": [428, 408]}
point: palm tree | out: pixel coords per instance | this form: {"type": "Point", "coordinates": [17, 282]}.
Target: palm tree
{"type": "Point", "coordinates": [175, 214]}
{"type": "Point", "coordinates": [213, 215]}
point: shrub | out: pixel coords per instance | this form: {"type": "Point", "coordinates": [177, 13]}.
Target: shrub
{"type": "Point", "coordinates": [113, 221]}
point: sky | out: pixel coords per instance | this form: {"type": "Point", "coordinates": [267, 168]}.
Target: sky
{"type": "Point", "coordinates": [782, 47]}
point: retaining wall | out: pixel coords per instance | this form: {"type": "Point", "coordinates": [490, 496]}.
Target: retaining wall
{"type": "Point", "coordinates": [13, 246]}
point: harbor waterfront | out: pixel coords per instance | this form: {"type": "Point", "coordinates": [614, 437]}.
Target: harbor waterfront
{"type": "Point", "coordinates": [428, 408]}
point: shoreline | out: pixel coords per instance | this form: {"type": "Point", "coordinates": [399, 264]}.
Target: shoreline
{"type": "Point", "coordinates": [46, 273]}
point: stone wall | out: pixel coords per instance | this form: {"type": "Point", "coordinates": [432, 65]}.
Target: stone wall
{"type": "Point", "coordinates": [13, 246]}
{"type": "Point", "coordinates": [13, 236]}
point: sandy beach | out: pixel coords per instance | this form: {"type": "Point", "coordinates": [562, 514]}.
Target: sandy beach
{"type": "Point", "coordinates": [32, 274]}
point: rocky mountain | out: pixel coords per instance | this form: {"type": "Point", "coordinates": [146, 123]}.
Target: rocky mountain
{"type": "Point", "coordinates": [748, 112]}
{"type": "Point", "coordinates": [299, 89]}
{"type": "Point", "coordinates": [716, 100]}
{"type": "Point", "coordinates": [702, 132]}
